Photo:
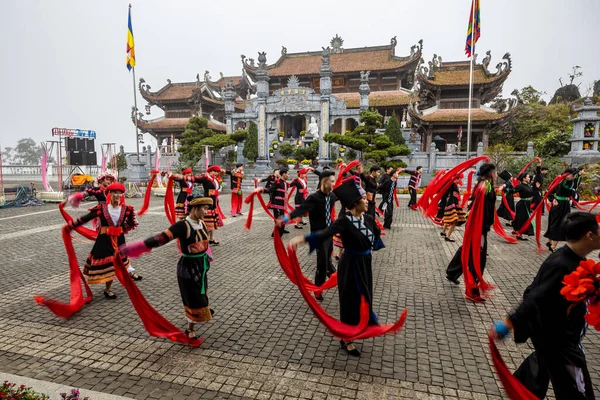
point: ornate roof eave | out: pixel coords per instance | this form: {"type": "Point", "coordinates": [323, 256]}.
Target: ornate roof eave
{"type": "Point", "coordinates": [493, 80]}
{"type": "Point", "coordinates": [152, 97]}
{"type": "Point", "coordinates": [418, 118]}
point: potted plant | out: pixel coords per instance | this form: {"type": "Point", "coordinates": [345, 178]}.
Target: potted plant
{"type": "Point", "coordinates": [302, 133]}
{"type": "Point", "coordinates": [274, 144]}
{"type": "Point", "coordinates": [339, 160]}
{"type": "Point", "coordinates": [271, 152]}
{"type": "Point", "coordinates": [305, 163]}
{"type": "Point", "coordinates": [280, 136]}
{"type": "Point", "coordinates": [291, 163]}
{"type": "Point", "coordinates": [342, 150]}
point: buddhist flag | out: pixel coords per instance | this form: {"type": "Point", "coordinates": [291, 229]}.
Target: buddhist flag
{"type": "Point", "coordinates": [473, 26]}
{"type": "Point", "coordinates": [130, 44]}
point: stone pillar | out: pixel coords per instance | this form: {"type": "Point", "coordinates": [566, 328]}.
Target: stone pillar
{"type": "Point", "coordinates": [326, 72]}
{"type": "Point", "coordinates": [485, 137]}
{"type": "Point", "coordinates": [530, 152]}
{"type": "Point", "coordinates": [479, 149]}
{"type": "Point", "coordinates": [364, 90]}
{"type": "Point", "coordinates": [240, 153]}
{"type": "Point", "coordinates": [432, 157]}
{"type": "Point", "coordinates": [229, 97]}
{"type": "Point", "coordinates": [262, 92]}
{"type": "Point", "coordinates": [343, 128]}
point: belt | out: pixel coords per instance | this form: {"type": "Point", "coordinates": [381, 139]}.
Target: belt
{"type": "Point", "coordinates": [527, 199]}
{"type": "Point", "coordinates": [111, 230]}
{"type": "Point", "coordinates": [197, 255]}
{"type": "Point", "coordinates": [561, 198]}
{"type": "Point", "coordinates": [358, 252]}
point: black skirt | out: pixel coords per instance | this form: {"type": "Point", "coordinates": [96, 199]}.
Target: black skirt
{"type": "Point", "coordinates": [522, 214]}
{"type": "Point", "coordinates": [555, 219]}
{"type": "Point", "coordinates": [503, 212]}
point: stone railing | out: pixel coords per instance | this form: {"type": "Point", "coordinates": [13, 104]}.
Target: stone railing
{"type": "Point", "coordinates": [17, 173]}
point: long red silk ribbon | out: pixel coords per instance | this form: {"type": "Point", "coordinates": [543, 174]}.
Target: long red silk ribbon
{"type": "Point", "coordinates": [505, 202]}
{"type": "Point", "coordinates": [82, 230]}
{"type": "Point", "coordinates": [344, 171]}
{"type": "Point", "coordinates": [146, 203]}
{"type": "Point", "coordinates": [514, 389]}
{"type": "Point", "coordinates": [77, 301]}
{"type": "Point", "coordinates": [284, 262]}
{"type": "Point", "coordinates": [169, 202]}
{"type": "Point", "coordinates": [499, 229]}
{"type": "Point", "coordinates": [528, 165]}
{"type": "Point", "coordinates": [336, 327]}
{"type": "Point", "coordinates": [153, 321]}
{"type": "Point", "coordinates": [469, 189]}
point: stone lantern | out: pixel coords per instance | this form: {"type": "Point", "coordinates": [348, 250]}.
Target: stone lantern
{"type": "Point", "coordinates": [584, 140]}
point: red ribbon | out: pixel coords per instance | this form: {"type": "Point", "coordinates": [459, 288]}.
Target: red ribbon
{"type": "Point", "coordinates": [469, 189]}
{"type": "Point", "coordinates": [144, 208]}
{"type": "Point", "coordinates": [344, 171]}
{"type": "Point", "coordinates": [77, 301]}
{"type": "Point", "coordinates": [82, 230]}
{"type": "Point", "coordinates": [514, 389]}
{"type": "Point", "coordinates": [505, 202]}
{"type": "Point", "coordinates": [169, 202]}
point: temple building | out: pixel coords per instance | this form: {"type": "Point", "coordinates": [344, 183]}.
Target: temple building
{"type": "Point", "coordinates": [439, 107]}
{"type": "Point", "coordinates": [180, 101]}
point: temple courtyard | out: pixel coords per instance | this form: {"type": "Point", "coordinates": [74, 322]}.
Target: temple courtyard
{"type": "Point", "coordinates": [264, 342]}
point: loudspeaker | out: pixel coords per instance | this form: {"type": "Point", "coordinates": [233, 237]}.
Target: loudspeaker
{"type": "Point", "coordinates": [71, 144]}
{"type": "Point", "coordinates": [90, 158]}
{"type": "Point", "coordinates": [80, 144]}
{"type": "Point", "coordinates": [89, 145]}
{"type": "Point", "coordinates": [75, 158]}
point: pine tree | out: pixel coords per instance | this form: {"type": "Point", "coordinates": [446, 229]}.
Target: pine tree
{"type": "Point", "coordinates": [251, 148]}
{"type": "Point", "coordinates": [393, 130]}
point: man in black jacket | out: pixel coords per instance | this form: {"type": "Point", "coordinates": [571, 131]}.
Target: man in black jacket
{"type": "Point", "coordinates": [387, 188]}
{"type": "Point", "coordinates": [369, 183]}
{"type": "Point", "coordinates": [319, 206]}
{"type": "Point", "coordinates": [538, 183]}
{"type": "Point", "coordinates": [413, 185]}
{"type": "Point", "coordinates": [554, 324]}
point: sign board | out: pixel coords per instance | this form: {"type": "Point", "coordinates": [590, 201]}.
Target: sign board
{"type": "Point", "coordinates": [73, 132]}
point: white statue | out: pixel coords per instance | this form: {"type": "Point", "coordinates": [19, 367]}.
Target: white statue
{"type": "Point", "coordinates": [313, 128]}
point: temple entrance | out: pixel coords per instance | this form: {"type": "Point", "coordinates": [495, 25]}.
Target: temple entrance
{"type": "Point", "coordinates": [292, 126]}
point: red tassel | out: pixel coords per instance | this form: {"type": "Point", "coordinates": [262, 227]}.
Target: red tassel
{"type": "Point", "coordinates": [82, 230]}
{"type": "Point", "coordinates": [77, 301]}
{"type": "Point", "coordinates": [505, 202]}
{"type": "Point", "coordinates": [153, 321]}
{"type": "Point", "coordinates": [514, 389]}
{"type": "Point", "coordinates": [144, 208]}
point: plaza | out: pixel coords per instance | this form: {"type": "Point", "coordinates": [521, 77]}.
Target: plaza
{"type": "Point", "coordinates": [264, 342]}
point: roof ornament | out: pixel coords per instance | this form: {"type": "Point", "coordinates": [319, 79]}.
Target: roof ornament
{"type": "Point", "coordinates": [336, 44]}
{"type": "Point", "coordinates": [325, 56]}
{"type": "Point", "coordinates": [262, 60]}
{"type": "Point", "coordinates": [147, 106]}
{"type": "Point", "coordinates": [364, 76]}
{"type": "Point", "coordinates": [486, 61]}
{"type": "Point", "coordinates": [221, 75]}
{"type": "Point", "coordinates": [283, 50]}
{"type": "Point", "coordinates": [394, 42]}
{"type": "Point", "coordinates": [293, 82]}
{"type": "Point", "coordinates": [505, 65]}
{"type": "Point", "coordinates": [143, 87]}
{"type": "Point", "coordinates": [416, 49]}
{"type": "Point", "coordinates": [434, 65]}
{"type": "Point", "coordinates": [168, 81]}
{"type": "Point", "coordinates": [198, 80]}
{"type": "Point", "coordinates": [207, 76]}
{"type": "Point", "coordinates": [422, 68]}
{"type": "Point", "coordinates": [248, 62]}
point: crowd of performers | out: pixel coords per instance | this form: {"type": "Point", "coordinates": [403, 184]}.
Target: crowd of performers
{"type": "Point", "coordinates": [553, 316]}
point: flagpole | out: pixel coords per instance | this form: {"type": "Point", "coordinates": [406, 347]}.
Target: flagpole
{"type": "Point", "coordinates": [473, 33]}
{"type": "Point", "coordinates": [137, 141]}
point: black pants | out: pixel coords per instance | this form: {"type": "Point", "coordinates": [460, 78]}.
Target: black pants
{"type": "Point", "coordinates": [543, 367]}
{"type": "Point", "coordinates": [454, 270]}
{"type": "Point", "coordinates": [371, 209]}
{"type": "Point", "coordinates": [413, 197]}
{"type": "Point", "coordinates": [537, 198]}
{"type": "Point", "coordinates": [388, 214]}
{"type": "Point", "coordinates": [278, 213]}
{"type": "Point", "coordinates": [324, 264]}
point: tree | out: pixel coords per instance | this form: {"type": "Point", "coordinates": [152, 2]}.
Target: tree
{"type": "Point", "coordinates": [251, 148]}
{"type": "Point", "coordinates": [217, 141]}
{"type": "Point", "coordinates": [196, 130]}
{"type": "Point", "coordinates": [121, 162]}
{"type": "Point", "coordinates": [500, 155]}
{"type": "Point", "coordinates": [393, 130]}
{"type": "Point", "coordinates": [570, 92]}
{"type": "Point", "coordinates": [365, 138]}
{"type": "Point", "coordinates": [286, 150]}
{"type": "Point", "coordinates": [529, 95]}
{"type": "Point", "coordinates": [308, 153]}
{"type": "Point", "coordinates": [26, 152]}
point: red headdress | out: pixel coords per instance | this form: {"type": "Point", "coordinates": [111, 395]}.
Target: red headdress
{"type": "Point", "coordinates": [115, 187]}
{"type": "Point", "coordinates": [214, 168]}
{"type": "Point", "coordinates": [104, 176]}
{"type": "Point", "coordinates": [187, 171]}
{"type": "Point", "coordinates": [303, 171]}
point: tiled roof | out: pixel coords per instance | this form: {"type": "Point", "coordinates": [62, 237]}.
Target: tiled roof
{"type": "Point", "coordinates": [173, 91]}
{"type": "Point", "coordinates": [376, 99]}
{"type": "Point", "coordinates": [177, 124]}
{"type": "Point", "coordinates": [354, 61]}
{"type": "Point", "coordinates": [460, 76]}
{"type": "Point", "coordinates": [223, 81]}
{"type": "Point", "coordinates": [457, 115]}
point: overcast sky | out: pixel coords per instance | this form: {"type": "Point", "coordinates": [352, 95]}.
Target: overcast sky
{"type": "Point", "coordinates": [63, 61]}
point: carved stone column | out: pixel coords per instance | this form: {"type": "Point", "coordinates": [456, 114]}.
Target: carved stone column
{"type": "Point", "coordinates": [343, 129]}
{"type": "Point", "coordinates": [262, 92]}
{"type": "Point", "coordinates": [229, 97]}
{"type": "Point", "coordinates": [326, 72]}
{"type": "Point", "coordinates": [364, 90]}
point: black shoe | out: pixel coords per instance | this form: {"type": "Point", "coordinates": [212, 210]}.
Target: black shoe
{"type": "Point", "coordinates": [455, 281]}
{"type": "Point", "coordinates": [447, 239]}
{"type": "Point", "coordinates": [298, 227]}
{"type": "Point", "coordinates": [442, 234]}
{"type": "Point", "coordinates": [387, 227]}
{"type": "Point", "coordinates": [212, 312]}
{"type": "Point", "coordinates": [508, 224]}
{"type": "Point", "coordinates": [549, 246]}
{"type": "Point", "coordinates": [319, 296]}
{"type": "Point", "coordinates": [272, 235]}
{"type": "Point", "coordinates": [522, 238]}
{"type": "Point", "coordinates": [286, 231]}
{"type": "Point", "coordinates": [233, 216]}
{"type": "Point", "coordinates": [213, 242]}
{"type": "Point", "coordinates": [110, 296]}
{"type": "Point", "coordinates": [354, 352]}
{"type": "Point", "coordinates": [336, 258]}
{"type": "Point", "coordinates": [136, 277]}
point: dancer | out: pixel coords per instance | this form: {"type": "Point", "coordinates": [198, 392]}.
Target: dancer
{"type": "Point", "coordinates": [576, 182]}
{"type": "Point", "coordinates": [186, 184]}
{"type": "Point", "coordinates": [360, 235]}
{"type": "Point", "coordinates": [194, 263]}
{"type": "Point", "coordinates": [453, 213]}
{"type": "Point", "coordinates": [237, 175]}
{"type": "Point", "coordinates": [523, 207]}
{"type": "Point", "coordinates": [104, 180]}
{"type": "Point", "coordinates": [301, 186]}
{"type": "Point", "coordinates": [505, 212]}
{"type": "Point", "coordinates": [116, 219]}
{"type": "Point", "coordinates": [560, 198]}
{"type": "Point", "coordinates": [555, 325]}
{"type": "Point", "coordinates": [370, 185]}
{"type": "Point", "coordinates": [386, 175]}
{"type": "Point", "coordinates": [278, 193]}
{"type": "Point", "coordinates": [387, 188]}
{"type": "Point", "coordinates": [413, 185]}
{"type": "Point", "coordinates": [538, 183]}
{"type": "Point", "coordinates": [319, 207]}
{"type": "Point", "coordinates": [210, 184]}
{"type": "Point", "coordinates": [485, 184]}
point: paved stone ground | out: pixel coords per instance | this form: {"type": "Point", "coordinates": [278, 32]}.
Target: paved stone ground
{"type": "Point", "coordinates": [264, 342]}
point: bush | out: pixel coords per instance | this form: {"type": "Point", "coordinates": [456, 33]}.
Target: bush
{"type": "Point", "coordinates": [251, 147]}
{"type": "Point", "coordinates": [393, 130]}
{"type": "Point", "coordinates": [286, 149]}
{"type": "Point", "coordinates": [231, 157]}
{"type": "Point", "coordinates": [239, 136]}
{"type": "Point", "coordinates": [394, 164]}
{"type": "Point", "coordinates": [282, 162]}
{"type": "Point", "coordinates": [351, 155]}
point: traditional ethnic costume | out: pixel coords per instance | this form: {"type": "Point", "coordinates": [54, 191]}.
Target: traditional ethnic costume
{"type": "Point", "coordinates": [360, 237]}
{"type": "Point", "coordinates": [455, 270]}
{"type": "Point", "coordinates": [556, 328]}
{"type": "Point", "coordinates": [503, 211]}
{"type": "Point", "coordinates": [186, 185]}
{"type": "Point", "coordinates": [387, 188]}
{"type": "Point", "coordinates": [301, 187]}
{"type": "Point", "coordinates": [236, 190]}
{"type": "Point", "coordinates": [194, 263]}
{"type": "Point", "coordinates": [538, 183]}
{"type": "Point", "coordinates": [269, 181]}
{"type": "Point", "coordinates": [115, 222]}
{"type": "Point", "coordinates": [98, 191]}
{"type": "Point", "coordinates": [319, 207]}
{"type": "Point", "coordinates": [370, 185]}
{"type": "Point", "coordinates": [562, 194]}
{"type": "Point", "coordinates": [453, 212]}
{"type": "Point", "coordinates": [211, 189]}
{"type": "Point", "coordinates": [278, 194]}
{"type": "Point", "coordinates": [523, 207]}
{"type": "Point", "coordinates": [413, 185]}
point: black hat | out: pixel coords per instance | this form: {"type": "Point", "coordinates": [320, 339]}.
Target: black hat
{"type": "Point", "coordinates": [239, 165]}
{"type": "Point", "coordinates": [349, 193]}
{"type": "Point", "coordinates": [522, 176]}
{"type": "Point", "coordinates": [505, 175]}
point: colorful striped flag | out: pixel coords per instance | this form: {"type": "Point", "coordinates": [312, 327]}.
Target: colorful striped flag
{"type": "Point", "coordinates": [476, 26]}
{"type": "Point", "coordinates": [130, 44]}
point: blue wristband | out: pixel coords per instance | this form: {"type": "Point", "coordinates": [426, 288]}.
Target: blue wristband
{"type": "Point", "coordinates": [286, 219]}
{"type": "Point", "coordinates": [501, 328]}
